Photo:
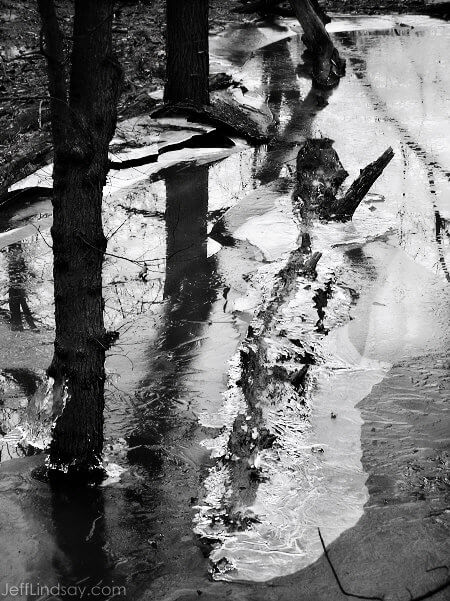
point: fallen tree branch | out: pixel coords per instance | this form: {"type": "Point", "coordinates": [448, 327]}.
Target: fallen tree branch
{"type": "Point", "coordinates": [426, 595]}
{"type": "Point", "coordinates": [38, 154]}
{"type": "Point", "coordinates": [341, 588]}
{"type": "Point", "coordinates": [433, 591]}
{"type": "Point", "coordinates": [320, 174]}
{"type": "Point", "coordinates": [347, 205]}
{"type": "Point", "coordinates": [226, 116]}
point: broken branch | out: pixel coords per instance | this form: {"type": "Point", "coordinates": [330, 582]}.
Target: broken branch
{"type": "Point", "coordinates": [347, 205]}
{"type": "Point", "coordinates": [341, 588]}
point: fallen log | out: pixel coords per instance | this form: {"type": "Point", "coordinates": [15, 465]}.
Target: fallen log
{"type": "Point", "coordinates": [272, 370]}
{"type": "Point", "coordinates": [226, 114]}
{"type": "Point", "coordinates": [345, 207]}
{"type": "Point", "coordinates": [320, 175]}
{"type": "Point", "coordinates": [328, 67]}
{"type": "Point", "coordinates": [37, 154]}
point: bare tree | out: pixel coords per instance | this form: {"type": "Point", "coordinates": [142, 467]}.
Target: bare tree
{"type": "Point", "coordinates": [187, 52]}
{"type": "Point", "coordinates": [84, 88]}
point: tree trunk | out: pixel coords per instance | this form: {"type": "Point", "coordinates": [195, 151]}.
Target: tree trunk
{"type": "Point", "coordinates": [83, 123]}
{"type": "Point", "coordinates": [328, 67]}
{"type": "Point", "coordinates": [187, 72]}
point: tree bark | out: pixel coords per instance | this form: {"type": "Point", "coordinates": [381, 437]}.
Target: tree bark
{"type": "Point", "coordinates": [187, 71]}
{"type": "Point", "coordinates": [83, 122]}
{"type": "Point", "coordinates": [328, 67]}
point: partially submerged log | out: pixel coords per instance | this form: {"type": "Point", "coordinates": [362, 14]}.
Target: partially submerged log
{"type": "Point", "coordinates": [328, 66]}
{"type": "Point", "coordinates": [320, 175]}
{"type": "Point", "coordinates": [345, 207]}
{"type": "Point", "coordinates": [271, 369]}
{"type": "Point", "coordinates": [225, 114]}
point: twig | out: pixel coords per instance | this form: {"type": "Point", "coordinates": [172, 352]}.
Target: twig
{"type": "Point", "coordinates": [433, 591]}
{"type": "Point", "coordinates": [426, 595]}
{"type": "Point", "coordinates": [135, 261]}
{"type": "Point", "coordinates": [40, 115]}
{"type": "Point", "coordinates": [437, 568]}
{"type": "Point", "coordinates": [42, 236]}
{"type": "Point", "coordinates": [143, 263]}
{"type": "Point", "coordinates": [91, 531]}
{"type": "Point", "coordinates": [343, 591]}
{"type": "Point", "coordinates": [110, 235]}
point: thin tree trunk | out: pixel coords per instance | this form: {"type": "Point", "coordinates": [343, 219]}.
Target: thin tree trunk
{"type": "Point", "coordinates": [187, 72]}
{"type": "Point", "coordinates": [83, 122]}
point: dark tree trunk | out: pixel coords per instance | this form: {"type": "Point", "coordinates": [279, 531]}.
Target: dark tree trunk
{"type": "Point", "coordinates": [83, 122]}
{"type": "Point", "coordinates": [187, 72]}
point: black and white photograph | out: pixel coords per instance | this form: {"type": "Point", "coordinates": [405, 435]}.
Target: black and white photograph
{"type": "Point", "coordinates": [224, 300]}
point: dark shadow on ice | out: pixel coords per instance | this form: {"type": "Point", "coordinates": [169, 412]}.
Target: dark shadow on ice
{"type": "Point", "coordinates": [189, 291]}
{"type": "Point", "coordinates": [18, 305]}
{"type": "Point", "coordinates": [80, 558]}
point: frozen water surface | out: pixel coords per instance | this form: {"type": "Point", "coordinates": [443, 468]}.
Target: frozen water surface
{"type": "Point", "coordinates": [182, 302]}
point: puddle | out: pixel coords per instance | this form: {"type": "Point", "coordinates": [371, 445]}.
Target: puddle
{"type": "Point", "coordinates": [205, 230]}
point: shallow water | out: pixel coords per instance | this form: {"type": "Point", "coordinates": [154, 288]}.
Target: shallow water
{"type": "Point", "coordinates": [182, 314]}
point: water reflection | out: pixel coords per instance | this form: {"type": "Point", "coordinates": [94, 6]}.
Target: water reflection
{"type": "Point", "coordinates": [293, 114]}
{"type": "Point", "coordinates": [126, 535]}
{"type": "Point", "coordinates": [164, 443]}
{"type": "Point", "coordinates": [188, 271]}
{"type": "Point", "coordinates": [18, 275]}
{"type": "Point", "coordinates": [189, 291]}
{"type": "Point", "coordinates": [146, 524]}
{"type": "Point", "coordinates": [80, 558]}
